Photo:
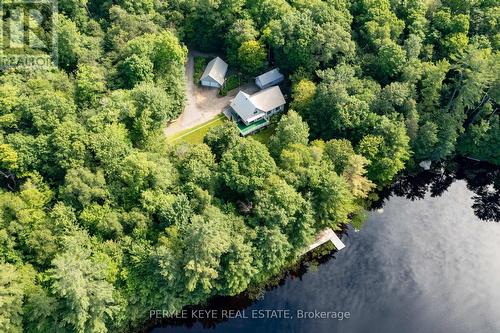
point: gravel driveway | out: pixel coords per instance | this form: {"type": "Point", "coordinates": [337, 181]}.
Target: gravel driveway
{"type": "Point", "coordinates": [202, 103]}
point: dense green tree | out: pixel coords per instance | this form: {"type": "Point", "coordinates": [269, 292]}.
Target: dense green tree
{"type": "Point", "coordinates": [241, 31]}
{"type": "Point", "coordinates": [295, 163]}
{"type": "Point", "coordinates": [245, 168]}
{"type": "Point", "coordinates": [90, 85]}
{"type": "Point", "coordinates": [387, 148]}
{"type": "Point", "coordinates": [377, 21]}
{"type": "Point", "coordinates": [413, 12]}
{"type": "Point", "coordinates": [341, 104]}
{"type": "Point", "coordinates": [339, 152]}
{"type": "Point", "coordinates": [74, 9]}
{"type": "Point", "coordinates": [169, 55]}
{"type": "Point", "coordinates": [354, 173]}
{"type": "Point", "coordinates": [137, 7]}
{"type": "Point", "coordinates": [83, 187]}
{"type": "Point", "coordinates": [333, 200]}
{"type": "Point", "coordinates": [84, 297]}
{"type": "Point", "coordinates": [432, 83]}
{"type": "Point", "coordinates": [124, 27]}
{"type": "Point", "coordinates": [299, 41]}
{"type": "Point", "coordinates": [74, 47]}
{"type": "Point", "coordinates": [153, 108]}
{"type": "Point", "coordinates": [162, 49]}
{"type": "Point", "coordinates": [222, 138]}
{"type": "Point", "coordinates": [196, 164]}
{"type": "Point", "coordinates": [13, 284]}
{"type": "Point", "coordinates": [27, 223]}
{"type": "Point", "coordinates": [303, 93]}
{"type": "Point", "coordinates": [291, 129]}
{"type": "Point", "coordinates": [449, 31]}
{"type": "Point", "coordinates": [481, 141]}
{"type": "Point", "coordinates": [395, 97]}
{"type": "Point", "coordinates": [111, 146]}
{"type": "Point", "coordinates": [478, 76]}
{"type": "Point", "coordinates": [93, 198]}
{"type": "Point", "coordinates": [238, 265]}
{"type": "Point", "coordinates": [50, 109]}
{"type": "Point", "coordinates": [68, 144]}
{"type": "Point", "coordinates": [8, 160]}
{"type": "Point", "coordinates": [252, 57]}
{"type": "Point", "coordinates": [265, 11]}
{"type": "Point", "coordinates": [277, 204]}
{"type": "Point", "coordinates": [274, 257]}
{"type": "Point", "coordinates": [101, 220]}
{"type": "Point", "coordinates": [136, 69]}
{"type": "Point", "coordinates": [391, 59]}
{"type": "Point", "coordinates": [280, 206]}
{"type": "Point", "coordinates": [426, 140]}
{"type": "Point", "coordinates": [207, 238]}
{"type": "Point", "coordinates": [138, 172]}
{"type": "Point", "coordinates": [29, 152]}
{"type": "Point", "coordinates": [69, 43]}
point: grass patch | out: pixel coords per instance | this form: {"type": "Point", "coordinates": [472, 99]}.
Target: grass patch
{"type": "Point", "coordinates": [196, 134]}
{"type": "Point", "coordinates": [233, 81]}
{"type": "Point", "coordinates": [264, 135]}
{"type": "Point", "coordinates": [199, 66]}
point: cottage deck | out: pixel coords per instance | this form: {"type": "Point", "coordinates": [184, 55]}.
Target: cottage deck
{"type": "Point", "coordinates": [246, 130]}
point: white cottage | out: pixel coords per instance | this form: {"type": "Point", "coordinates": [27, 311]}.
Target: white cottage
{"type": "Point", "coordinates": [252, 112]}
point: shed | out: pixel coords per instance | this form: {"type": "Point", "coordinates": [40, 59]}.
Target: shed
{"type": "Point", "coordinates": [214, 74]}
{"type": "Point", "coordinates": [269, 79]}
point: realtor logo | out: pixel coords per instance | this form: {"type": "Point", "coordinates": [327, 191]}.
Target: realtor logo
{"type": "Point", "coordinates": [28, 35]}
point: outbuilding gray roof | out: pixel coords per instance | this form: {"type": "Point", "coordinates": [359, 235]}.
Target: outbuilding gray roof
{"type": "Point", "coordinates": [216, 69]}
{"type": "Point", "coordinates": [273, 75]}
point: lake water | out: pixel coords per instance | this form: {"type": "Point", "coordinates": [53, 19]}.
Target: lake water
{"type": "Point", "coordinates": [425, 264]}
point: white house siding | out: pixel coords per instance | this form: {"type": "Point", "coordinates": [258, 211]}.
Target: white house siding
{"type": "Point", "coordinates": [275, 111]}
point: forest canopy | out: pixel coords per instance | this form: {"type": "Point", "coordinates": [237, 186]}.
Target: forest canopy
{"type": "Point", "coordinates": [102, 220]}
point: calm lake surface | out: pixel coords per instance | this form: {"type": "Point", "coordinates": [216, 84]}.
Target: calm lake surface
{"type": "Point", "coordinates": [424, 263]}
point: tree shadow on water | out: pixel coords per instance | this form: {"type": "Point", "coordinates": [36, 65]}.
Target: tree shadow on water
{"type": "Point", "coordinates": [482, 179]}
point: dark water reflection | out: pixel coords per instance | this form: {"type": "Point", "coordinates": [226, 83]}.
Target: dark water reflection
{"type": "Point", "coordinates": [481, 178]}
{"type": "Point", "coordinates": [426, 262]}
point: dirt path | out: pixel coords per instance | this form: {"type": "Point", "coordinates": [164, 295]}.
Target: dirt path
{"type": "Point", "coordinates": [202, 103]}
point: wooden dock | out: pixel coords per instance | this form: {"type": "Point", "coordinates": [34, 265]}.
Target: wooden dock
{"type": "Point", "coordinates": [323, 237]}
